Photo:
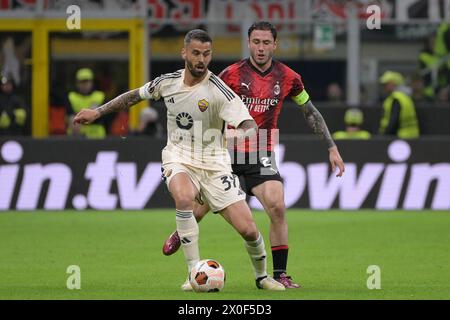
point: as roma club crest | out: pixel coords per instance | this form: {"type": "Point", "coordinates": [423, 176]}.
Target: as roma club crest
{"type": "Point", "coordinates": [203, 105]}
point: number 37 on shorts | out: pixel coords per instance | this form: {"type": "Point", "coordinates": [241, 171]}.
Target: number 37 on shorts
{"type": "Point", "coordinates": [218, 188]}
{"type": "Point", "coordinates": [229, 181]}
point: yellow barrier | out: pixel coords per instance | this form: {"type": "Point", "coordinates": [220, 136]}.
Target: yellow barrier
{"type": "Point", "coordinates": [40, 29]}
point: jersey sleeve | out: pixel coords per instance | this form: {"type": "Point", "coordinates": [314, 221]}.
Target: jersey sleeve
{"type": "Point", "coordinates": [229, 76]}
{"type": "Point", "coordinates": [298, 92]}
{"type": "Point", "coordinates": [151, 90]}
{"type": "Point", "coordinates": [230, 107]}
{"type": "Point", "coordinates": [234, 112]}
{"type": "Point", "coordinates": [225, 74]}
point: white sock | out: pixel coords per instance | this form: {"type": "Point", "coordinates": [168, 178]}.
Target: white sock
{"type": "Point", "coordinates": [257, 252]}
{"type": "Point", "coordinates": [187, 228]}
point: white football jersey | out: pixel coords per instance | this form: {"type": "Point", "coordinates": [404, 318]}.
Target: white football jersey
{"type": "Point", "coordinates": [196, 119]}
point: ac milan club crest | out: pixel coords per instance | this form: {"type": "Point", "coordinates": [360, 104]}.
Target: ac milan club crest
{"type": "Point", "coordinates": [276, 89]}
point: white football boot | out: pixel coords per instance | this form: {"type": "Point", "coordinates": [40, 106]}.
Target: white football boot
{"type": "Point", "coordinates": [269, 283]}
{"type": "Point", "coordinates": [186, 286]}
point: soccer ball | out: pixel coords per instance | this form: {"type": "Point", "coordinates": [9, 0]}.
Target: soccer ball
{"type": "Point", "coordinates": [207, 275]}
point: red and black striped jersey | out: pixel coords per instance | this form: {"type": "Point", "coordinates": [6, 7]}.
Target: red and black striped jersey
{"type": "Point", "coordinates": [263, 94]}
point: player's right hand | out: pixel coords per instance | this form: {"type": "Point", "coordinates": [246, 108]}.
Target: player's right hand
{"type": "Point", "coordinates": [336, 161]}
{"type": "Point", "coordinates": [86, 116]}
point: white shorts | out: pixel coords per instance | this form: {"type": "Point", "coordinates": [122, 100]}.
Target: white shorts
{"type": "Point", "coordinates": [220, 189]}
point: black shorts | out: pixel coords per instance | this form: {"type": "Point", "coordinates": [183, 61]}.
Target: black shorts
{"type": "Point", "coordinates": [255, 170]}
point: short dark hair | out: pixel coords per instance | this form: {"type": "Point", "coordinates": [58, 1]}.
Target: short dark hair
{"type": "Point", "coordinates": [197, 34]}
{"type": "Point", "coordinates": [263, 25]}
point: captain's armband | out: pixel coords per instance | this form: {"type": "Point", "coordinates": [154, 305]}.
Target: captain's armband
{"type": "Point", "coordinates": [302, 98]}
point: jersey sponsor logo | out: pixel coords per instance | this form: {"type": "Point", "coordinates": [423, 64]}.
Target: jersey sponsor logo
{"type": "Point", "coordinates": [184, 121]}
{"type": "Point", "coordinates": [203, 105]}
{"type": "Point", "coordinates": [258, 104]}
{"type": "Point", "coordinates": [171, 100]}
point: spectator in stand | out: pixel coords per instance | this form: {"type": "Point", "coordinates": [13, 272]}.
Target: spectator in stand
{"type": "Point", "coordinates": [417, 87]}
{"type": "Point", "coordinates": [334, 93]}
{"type": "Point", "coordinates": [429, 64]}
{"type": "Point", "coordinates": [13, 112]}
{"type": "Point", "coordinates": [353, 119]}
{"type": "Point", "coordinates": [443, 96]}
{"type": "Point", "coordinates": [85, 96]}
{"type": "Point", "coordinates": [399, 112]}
{"type": "Point", "coordinates": [442, 51]}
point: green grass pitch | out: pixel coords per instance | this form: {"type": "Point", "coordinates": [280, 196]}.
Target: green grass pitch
{"type": "Point", "coordinates": [119, 255]}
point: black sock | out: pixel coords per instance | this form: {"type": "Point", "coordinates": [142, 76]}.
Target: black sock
{"type": "Point", "coordinates": [279, 256]}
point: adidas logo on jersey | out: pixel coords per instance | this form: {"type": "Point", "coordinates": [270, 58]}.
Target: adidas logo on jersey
{"type": "Point", "coordinates": [171, 100]}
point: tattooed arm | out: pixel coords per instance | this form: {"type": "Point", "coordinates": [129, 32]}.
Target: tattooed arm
{"type": "Point", "coordinates": [319, 127]}
{"type": "Point", "coordinates": [120, 103]}
{"type": "Point", "coordinates": [317, 123]}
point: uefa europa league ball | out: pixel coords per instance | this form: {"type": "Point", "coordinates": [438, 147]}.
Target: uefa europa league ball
{"type": "Point", "coordinates": [207, 275]}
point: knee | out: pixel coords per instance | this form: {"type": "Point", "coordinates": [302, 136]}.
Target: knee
{"type": "Point", "coordinates": [277, 211]}
{"type": "Point", "coordinates": [184, 200]}
{"type": "Point", "coordinates": [250, 233]}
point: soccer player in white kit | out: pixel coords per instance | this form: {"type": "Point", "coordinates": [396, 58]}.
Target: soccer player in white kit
{"type": "Point", "coordinates": [196, 163]}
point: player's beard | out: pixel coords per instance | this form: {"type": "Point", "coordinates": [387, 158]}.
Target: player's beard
{"type": "Point", "coordinates": [262, 63]}
{"type": "Point", "coordinates": [196, 73]}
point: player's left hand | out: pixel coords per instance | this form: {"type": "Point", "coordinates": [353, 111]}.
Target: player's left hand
{"type": "Point", "coordinates": [86, 116]}
{"type": "Point", "coordinates": [336, 160]}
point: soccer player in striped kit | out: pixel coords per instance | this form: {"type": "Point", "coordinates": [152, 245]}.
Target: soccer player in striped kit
{"type": "Point", "coordinates": [263, 83]}
{"type": "Point", "coordinates": [196, 163]}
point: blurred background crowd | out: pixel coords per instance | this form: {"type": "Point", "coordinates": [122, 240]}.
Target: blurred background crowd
{"type": "Point", "coordinates": [403, 74]}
